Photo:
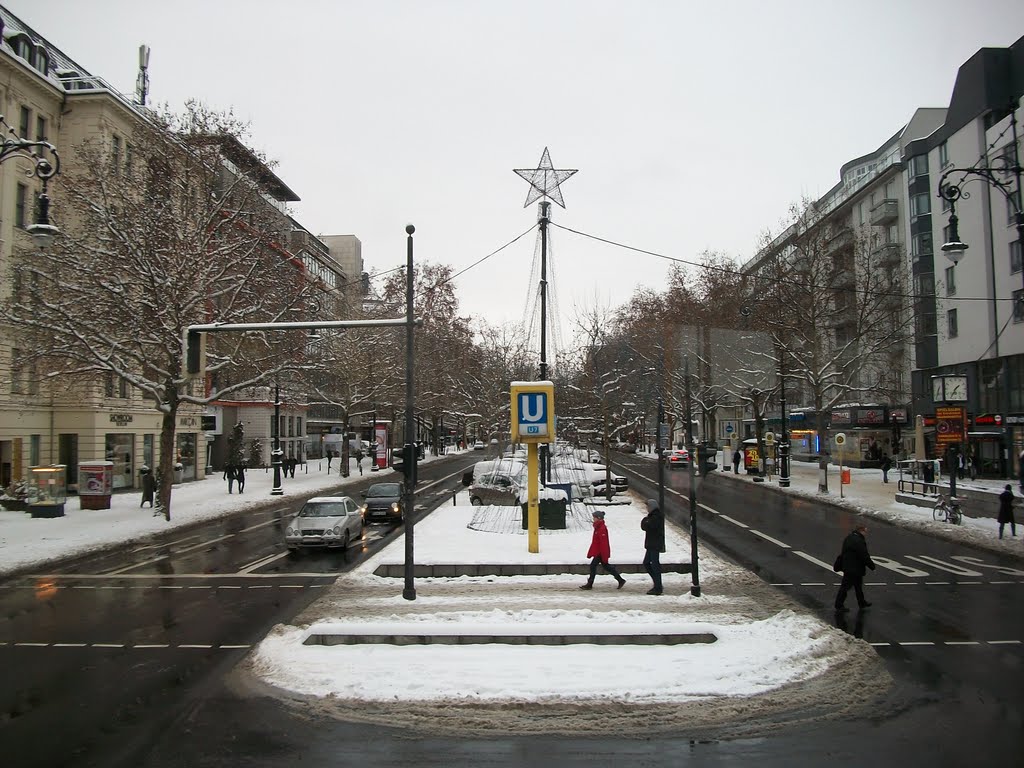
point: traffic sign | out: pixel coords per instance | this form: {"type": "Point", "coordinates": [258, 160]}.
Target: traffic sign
{"type": "Point", "coordinates": [769, 437]}
{"type": "Point", "coordinates": [533, 411]}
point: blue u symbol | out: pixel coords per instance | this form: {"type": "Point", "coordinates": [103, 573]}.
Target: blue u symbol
{"type": "Point", "coordinates": [532, 407]}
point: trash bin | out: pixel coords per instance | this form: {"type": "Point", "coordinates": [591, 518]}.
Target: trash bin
{"type": "Point", "coordinates": [552, 504]}
{"type": "Point", "coordinates": [95, 483]}
{"type": "Point", "coordinates": [845, 476]}
{"type": "Point", "coordinates": [179, 473]}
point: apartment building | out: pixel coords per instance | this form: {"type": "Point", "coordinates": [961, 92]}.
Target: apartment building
{"type": "Point", "coordinates": [970, 320]}
{"type": "Point", "coordinates": [46, 420]}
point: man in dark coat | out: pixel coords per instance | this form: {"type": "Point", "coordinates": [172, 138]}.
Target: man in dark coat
{"type": "Point", "coordinates": [229, 475]}
{"type": "Point", "coordinates": [240, 477]}
{"type": "Point", "coordinates": [1006, 511]}
{"type": "Point", "coordinates": [654, 542]}
{"type": "Point", "coordinates": [736, 459]}
{"type": "Point", "coordinates": [148, 487]}
{"type": "Point", "coordinates": [854, 561]}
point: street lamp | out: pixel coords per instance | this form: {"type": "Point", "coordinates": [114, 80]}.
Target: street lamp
{"type": "Point", "coordinates": [42, 230]}
{"type": "Point", "coordinates": [951, 189]}
{"type": "Point", "coordinates": [275, 458]}
{"type": "Point", "coordinates": [784, 437]}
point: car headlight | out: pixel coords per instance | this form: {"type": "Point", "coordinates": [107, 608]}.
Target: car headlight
{"type": "Point", "coordinates": [394, 506]}
{"type": "Point", "coordinates": [337, 530]}
{"type": "Point", "coordinates": [363, 509]}
{"type": "Point", "coordinates": [290, 532]}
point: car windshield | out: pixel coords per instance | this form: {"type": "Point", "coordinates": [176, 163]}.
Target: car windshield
{"type": "Point", "coordinates": [324, 509]}
{"type": "Point", "coordinates": [383, 489]}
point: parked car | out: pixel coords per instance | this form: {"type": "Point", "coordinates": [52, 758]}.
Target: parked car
{"type": "Point", "coordinates": [495, 488]}
{"type": "Point", "coordinates": [383, 503]}
{"type": "Point", "coordinates": [330, 522]}
{"type": "Point", "coordinates": [478, 445]}
{"type": "Point", "coordinates": [599, 476]}
{"type": "Point", "coordinates": [677, 457]}
{"type": "Point", "coordinates": [626, 448]}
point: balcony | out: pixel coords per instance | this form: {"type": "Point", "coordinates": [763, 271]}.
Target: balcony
{"type": "Point", "coordinates": [886, 212]}
{"type": "Point", "coordinates": [888, 254]}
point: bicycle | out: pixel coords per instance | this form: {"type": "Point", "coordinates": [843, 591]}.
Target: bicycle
{"type": "Point", "coordinates": [947, 511]}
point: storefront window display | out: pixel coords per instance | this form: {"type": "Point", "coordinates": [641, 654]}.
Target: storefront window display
{"type": "Point", "coordinates": [119, 449]}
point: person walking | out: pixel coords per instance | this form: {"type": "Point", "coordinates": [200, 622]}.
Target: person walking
{"type": "Point", "coordinates": [853, 561]}
{"type": "Point", "coordinates": [736, 459]}
{"type": "Point", "coordinates": [600, 552]}
{"type": "Point", "coordinates": [886, 466]}
{"type": "Point", "coordinates": [240, 477]}
{"type": "Point", "coordinates": [654, 542]}
{"type": "Point", "coordinates": [359, 461]}
{"type": "Point", "coordinates": [1006, 511]}
{"type": "Point", "coordinates": [229, 474]}
{"type": "Point", "coordinates": [330, 455]}
{"type": "Point", "coordinates": [148, 487]}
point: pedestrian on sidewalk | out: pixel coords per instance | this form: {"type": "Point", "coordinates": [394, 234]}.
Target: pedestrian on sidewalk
{"type": "Point", "coordinates": [1006, 511]}
{"type": "Point", "coordinates": [600, 552]}
{"type": "Point", "coordinates": [736, 458]}
{"type": "Point", "coordinates": [886, 466]}
{"type": "Point", "coordinates": [961, 465]}
{"type": "Point", "coordinates": [853, 561]}
{"type": "Point", "coordinates": [359, 461]}
{"type": "Point", "coordinates": [148, 486]}
{"type": "Point", "coordinates": [229, 475]}
{"type": "Point", "coordinates": [330, 455]}
{"type": "Point", "coordinates": [240, 477]}
{"type": "Point", "coordinates": [654, 543]}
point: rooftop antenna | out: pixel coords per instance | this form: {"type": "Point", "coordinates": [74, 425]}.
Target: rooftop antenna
{"type": "Point", "coordinates": [142, 83]}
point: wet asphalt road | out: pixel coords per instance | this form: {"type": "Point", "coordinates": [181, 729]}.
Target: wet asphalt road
{"type": "Point", "coordinates": [134, 668]}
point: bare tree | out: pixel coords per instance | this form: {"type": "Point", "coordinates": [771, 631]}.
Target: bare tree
{"type": "Point", "coordinates": [174, 234]}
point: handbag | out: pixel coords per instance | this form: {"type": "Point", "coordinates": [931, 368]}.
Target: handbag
{"type": "Point", "coordinates": [838, 565]}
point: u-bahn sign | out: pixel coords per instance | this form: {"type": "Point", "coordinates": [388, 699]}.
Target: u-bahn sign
{"type": "Point", "coordinates": [533, 412]}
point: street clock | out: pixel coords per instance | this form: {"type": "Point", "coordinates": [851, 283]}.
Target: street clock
{"type": "Point", "coordinates": [951, 388]}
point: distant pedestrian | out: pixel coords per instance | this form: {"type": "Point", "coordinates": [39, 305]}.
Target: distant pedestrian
{"type": "Point", "coordinates": [359, 461]}
{"type": "Point", "coordinates": [292, 462]}
{"type": "Point", "coordinates": [1006, 511]}
{"type": "Point", "coordinates": [654, 543]}
{"type": "Point", "coordinates": [853, 561]}
{"type": "Point", "coordinates": [148, 486]}
{"type": "Point", "coordinates": [240, 477]}
{"type": "Point", "coordinates": [961, 465]}
{"type": "Point", "coordinates": [736, 459]}
{"type": "Point", "coordinates": [600, 552]}
{"type": "Point", "coordinates": [330, 455]}
{"type": "Point", "coordinates": [886, 466]}
{"type": "Point", "coordinates": [229, 475]}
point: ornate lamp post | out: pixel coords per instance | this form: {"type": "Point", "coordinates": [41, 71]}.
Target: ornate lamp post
{"type": "Point", "coordinates": [42, 230]}
{"type": "Point", "coordinates": [951, 189]}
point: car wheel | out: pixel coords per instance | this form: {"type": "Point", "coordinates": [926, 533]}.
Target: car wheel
{"type": "Point", "coordinates": [345, 541]}
{"type": "Point", "coordinates": [476, 501]}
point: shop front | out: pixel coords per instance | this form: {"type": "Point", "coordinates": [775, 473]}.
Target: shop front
{"type": "Point", "coordinates": [186, 447]}
{"type": "Point", "coordinates": [990, 446]}
{"type": "Point", "coordinates": [871, 432]}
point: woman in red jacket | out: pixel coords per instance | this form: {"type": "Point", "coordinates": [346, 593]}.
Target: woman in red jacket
{"type": "Point", "coordinates": [600, 552]}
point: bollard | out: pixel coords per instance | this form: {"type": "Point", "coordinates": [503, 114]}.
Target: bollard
{"type": "Point", "coordinates": [454, 495]}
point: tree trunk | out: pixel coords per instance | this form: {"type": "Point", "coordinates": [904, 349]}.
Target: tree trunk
{"type": "Point", "coordinates": [823, 455]}
{"type": "Point", "coordinates": [168, 454]}
{"type": "Point", "coordinates": [344, 446]}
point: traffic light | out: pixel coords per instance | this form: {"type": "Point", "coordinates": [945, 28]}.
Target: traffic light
{"type": "Point", "coordinates": [407, 463]}
{"type": "Point", "coordinates": [706, 459]}
{"type": "Point", "coordinates": [195, 352]}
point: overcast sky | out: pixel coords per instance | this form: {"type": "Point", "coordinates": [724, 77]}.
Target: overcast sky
{"type": "Point", "coordinates": [693, 125]}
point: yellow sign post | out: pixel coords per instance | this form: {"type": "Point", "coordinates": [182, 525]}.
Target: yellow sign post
{"type": "Point", "coordinates": [533, 422]}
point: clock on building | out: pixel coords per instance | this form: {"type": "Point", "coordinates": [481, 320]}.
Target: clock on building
{"type": "Point", "coordinates": [951, 388]}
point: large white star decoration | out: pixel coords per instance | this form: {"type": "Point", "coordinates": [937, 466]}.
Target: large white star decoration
{"type": "Point", "coordinates": [544, 180]}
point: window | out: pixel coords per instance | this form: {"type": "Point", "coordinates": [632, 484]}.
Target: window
{"type": "Point", "coordinates": [40, 128]}
{"type": "Point", "coordinates": [1011, 214]}
{"type": "Point", "coordinates": [127, 160]}
{"type": "Point", "coordinates": [122, 388]}
{"type": "Point", "coordinates": [108, 384]}
{"type": "Point", "coordinates": [33, 378]}
{"type": "Point", "coordinates": [921, 204]}
{"type": "Point", "coordinates": [17, 371]}
{"type": "Point", "coordinates": [951, 280]}
{"type": "Point", "coordinates": [918, 166]}
{"type": "Point", "coordinates": [1018, 306]}
{"type": "Point", "coordinates": [20, 200]}
{"type": "Point", "coordinates": [23, 124]}
{"type": "Point", "coordinates": [115, 154]}
{"type": "Point", "coordinates": [921, 245]}
{"type": "Point", "coordinates": [298, 426]}
{"type": "Point", "coordinates": [946, 205]}
{"type": "Point", "coordinates": [35, 443]}
{"type": "Point", "coordinates": [951, 324]}
{"type": "Point", "coordinates": [943, 155]}
{"type": "Point", "coordinates": [1015, 256]}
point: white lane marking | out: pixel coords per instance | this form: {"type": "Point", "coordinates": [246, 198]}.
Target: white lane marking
{"type": "Point", "coordinates": [1004, 582]}
{"type": "Point", "coordinates": [258, 525]}
{"type": "Point", "coordinates": [229, 586]}
{"type": "Point", "coordinates": [69, 645]}
{"type": "Point", "coordinates": [208, 576]}
{"type": "Point", "coordinates": [936, 583]}
{"type": "Point", "coordinates": [173, 586]}
{"type": "Point", "coordinates": [194, 645]}
{"type": "Point", "coordinates": [766, 537]}
{"type": "Point", "coordinates": [906, 583]}
{"type": "Point", "coordinates": [970, 582]}
{"type": "Point", "coordinates": [781, 584]}
{"type": "Point", "coordinates": [165, 544]}
{"type": "Point", "coordinates": [85, 586]}
{"type": "Point", "coordinates": [261, 586]}
{"type": "Point", "coordinates": [917, 642]}
{"type": "Point", "coordinates": [200, 586]}
{"type": "Point", "coordinates": [1003, 642]}
{"type": "Point", "coordinates": [811, 559]}
{"type": "Point", "coordinates": [234, 646]}
{"type": "Point", "coordinates": [262, 562]}
{"type": "Point", "coordinates": [812, 584]}
{"type": "Point", "coordinates": [879, 645]}
{"type": "Point", "coordinates": [942, 565]}
{"type": "Point", "coordinates": [962, 642]}
{"type": "Point", "coordinates": [151, 645]}
{"type": "Point", "coordinates": [108, 645]}
{"type": "Point", "coordinates": [31, 645]}
{"type": "Point", "coordinates": [736, 522]}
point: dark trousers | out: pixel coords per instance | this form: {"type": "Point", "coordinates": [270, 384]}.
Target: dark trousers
{"type": "Point", "coordinates": [241, 485]}
{"type": "Point", "coordinates": [231, 484]}
{"type": "Point", "coordinates": [1013, 528]}
{"type": "Point", "coordinates": [849, 580]}
{"type": "Point", "coordinates": [652, 564]}
{"type": "Point", "coordinates": [608, 568]}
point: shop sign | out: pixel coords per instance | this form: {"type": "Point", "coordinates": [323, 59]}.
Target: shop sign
{"type": "Point", "coordinates": [186, 422]}
{"type": "Point", "coordinates": [989, 420]}
{"type": "Point", "coordinates": [1015, 418]}
{"type": "Point", "coordinates": [841, 417]}
{"type": "Point", "coordinates": [121, 419]}
{"type": "Point", "coordinates": [870, 416]}
{"type": "Point", "coordinates": [898, 415]}
{"type": "Point", "coordinates": [949, 425]}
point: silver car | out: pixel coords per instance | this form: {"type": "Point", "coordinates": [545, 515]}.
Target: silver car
{"type": "Point", "coordinates": [331, 522]}
{"type": "Point", "coordinates": [495, 488]}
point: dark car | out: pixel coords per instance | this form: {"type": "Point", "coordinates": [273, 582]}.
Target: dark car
{"type": "Point", "coordinates": [383, 503]}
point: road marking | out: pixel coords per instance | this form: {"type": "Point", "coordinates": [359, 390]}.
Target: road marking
{"type": "Point", "coordinates": [290, 586]}
{"type": "Point", "coordinates": [85, 586]}
{"type": "Point", "coordinates": [766, 537]}
{"type": "Point", "coordinates": [194, 645]}
{"type": "Point", "coordinates": [906, 583]}
{"type": "Point", "coordinates": [226, 647]}
{"type": "Point", "coordinates": [936, 583]}
{"type": "Point", "coordinates": [151, 645]}
{"type": "Point", "coordinates": [229, 586]}
{"type": "Point", "coordinates": [1003, 582]}
{"type": "Point", "coordinates": [108, 645]}
{"type": "Point", "coordinates": [262, 561]}
{"type": "Point", "coordinates": [208, 576]}
{"type": "Point", "coordinates": [811, 559]}
{"type": "Point", "coordinates": [781, 584]}
{"type": "Point", "coordinates": [736, 522]}
{"type": "Point", "coordinates": [970, 582]}
{"type": "Point", "coordinates": [31, 645]}
{"type": "Point", "coordinates": [962, 642]}
{"type": "Point", "coordinates": [261, 586]}
{"type": "Point", "coordinates": [254, 527]}
{"type": "Point", "coordinates": [1003, 642]}
{"type": "Point", "coordinates": [200, 586]}
{"type": "Point", "coordinates": [879, 645]}
{"type": "Point", "coordinates": [917, 642]}
{"type": "Point", "coordinates": [165, 544]}
{"type": "Point", "coordinates": [812, 584]}
{"type": "Point", "coordinates": [69, 645]}
{"type": "Point", "coordinates": [172, 586]}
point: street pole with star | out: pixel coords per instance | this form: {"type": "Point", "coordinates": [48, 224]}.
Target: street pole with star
{"type": "Point", "coordinates": [544, 183]}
